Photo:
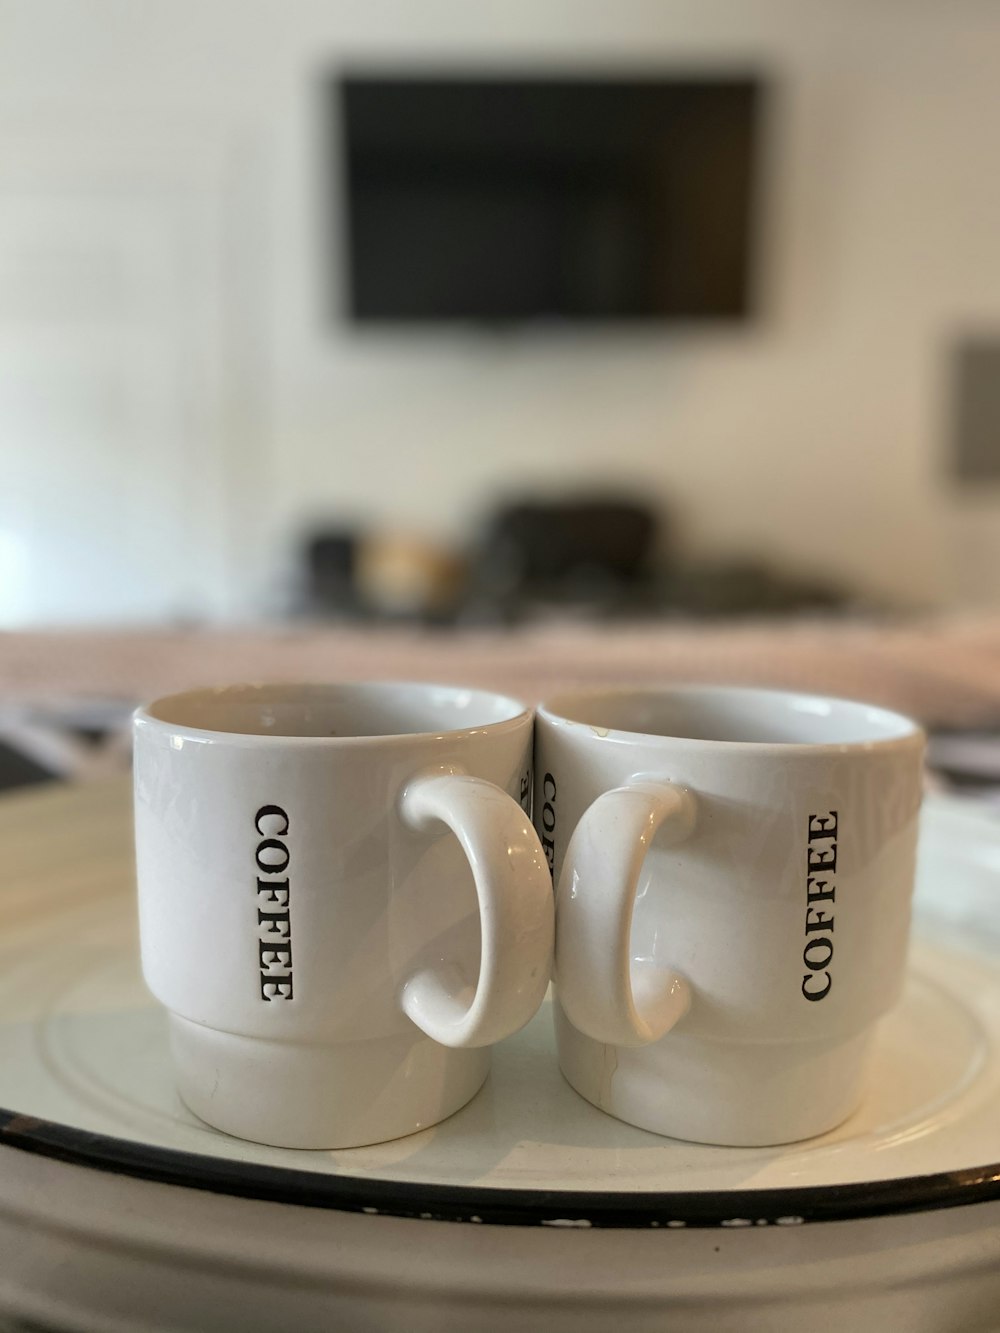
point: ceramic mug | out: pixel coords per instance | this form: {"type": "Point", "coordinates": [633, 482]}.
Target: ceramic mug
{"type": "Point", "coordinates": [342, 901]}
{"type": "Point", "coordinates": [734, 869]}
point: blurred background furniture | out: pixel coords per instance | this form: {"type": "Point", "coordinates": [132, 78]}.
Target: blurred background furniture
{"type": "Point", "coordinates": [574, 556]}
{"type": "Point", "coordinates": [385, 269]}
{"type": "Point", "coordinates": [328, 587]}
{"type": "Point", "coordinates": [587, 555]}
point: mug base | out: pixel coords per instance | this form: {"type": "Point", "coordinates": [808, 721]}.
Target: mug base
{"type": "Point", "coordinates": [321, 1097]}
{"type": "Point", "coordinates": [731, 1094]}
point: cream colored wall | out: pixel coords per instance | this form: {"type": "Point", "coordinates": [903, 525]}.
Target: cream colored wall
{"type": "Point", "coordinates": [813, 436]}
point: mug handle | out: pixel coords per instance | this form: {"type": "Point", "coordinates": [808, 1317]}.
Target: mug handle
{"type": "Point", "coordinates": [515, 910]}
{"type": "Point", "coordinates": [600, 991]}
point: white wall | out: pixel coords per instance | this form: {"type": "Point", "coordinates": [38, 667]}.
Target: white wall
{"type": "Point", "coordinates": [187, 131]}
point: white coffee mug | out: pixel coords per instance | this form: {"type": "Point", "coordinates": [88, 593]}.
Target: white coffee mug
{"type": "Point", "coordinates": [342, 901]}
{"type": "Point", "coordinates": [734, 870]}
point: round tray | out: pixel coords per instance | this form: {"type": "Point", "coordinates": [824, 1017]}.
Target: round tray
{"type": "Point", "coordinates": [85, 1077]}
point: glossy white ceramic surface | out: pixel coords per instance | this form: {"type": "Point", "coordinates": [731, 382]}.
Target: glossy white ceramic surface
{"type": "Point", "coordinates": [342, 902]}
{"type": "Point", "coordinates": [734, 870]}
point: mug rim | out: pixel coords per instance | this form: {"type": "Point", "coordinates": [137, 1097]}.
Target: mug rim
{"type": "Point", "coordinates": [906, 730]}
{"type": "Point", "coordinates": [145, 716]}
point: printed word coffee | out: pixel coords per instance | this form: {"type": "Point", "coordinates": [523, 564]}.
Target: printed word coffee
{"type": "Point", "coordinates": [274, 923]}
{"type": "Point", "coordinates": [821, 867]}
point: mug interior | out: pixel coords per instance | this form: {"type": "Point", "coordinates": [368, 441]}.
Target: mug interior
{"type": "Point", "coordinates": [336, 710]}
{"type": "Point", "coordinates": [747, 716]}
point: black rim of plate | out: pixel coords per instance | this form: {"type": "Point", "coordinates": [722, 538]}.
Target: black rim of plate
{"type": "Point", "coordinates": [497, 1206]}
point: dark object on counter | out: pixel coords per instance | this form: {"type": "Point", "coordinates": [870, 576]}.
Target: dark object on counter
{"type": "Point", "coordinates": [585, 554]}
{"type": "Point", "coordinates": [744, 588]}
{"type": "Point", "coordinates": [329, 568]}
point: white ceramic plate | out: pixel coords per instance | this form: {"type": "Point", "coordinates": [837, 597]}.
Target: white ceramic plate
{"type": "Point", "coordinates": [85, 1075]}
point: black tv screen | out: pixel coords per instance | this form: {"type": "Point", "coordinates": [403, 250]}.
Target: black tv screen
{"type": "Point", "coordinates": [506, 199]}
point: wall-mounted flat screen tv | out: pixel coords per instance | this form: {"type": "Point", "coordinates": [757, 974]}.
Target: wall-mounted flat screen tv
{"type": "Point", "coordinates": [508, 199]}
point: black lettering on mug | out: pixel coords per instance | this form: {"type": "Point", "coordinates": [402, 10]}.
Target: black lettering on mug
{"type": "Point", "coordinates": [275, 987]}
{"type": "Point", "coordinates": [823, 826]}
{"type": "Point", "coordinates": [272, 893]}
{"type": "Point", "coordinates": [271, 812]}
{"type": "Point", "coordinates": [823, 860]}
{"type": "Point", "coordinates": [817, 919]}
{"type": "Point", "coordinates": [811, 991]}
{"type": "Point", "coordinates": [817, 954]}
{"type": "Point", "coordinates": [278, 858]}
{"type": "Point", "coordinates": [549, 848]}
{"type": "Point", "coordinates": [274, 918]}
{"type": "Point", "coordinates": [275, 957]}
{"type": "Point", "coordinates": [276, 924]}
{"type": "Point", "coordinates": [548, 820]}
{"type": "Point", "coordinates": [819, 889]}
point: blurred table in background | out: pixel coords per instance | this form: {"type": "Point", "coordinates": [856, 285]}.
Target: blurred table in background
{"type": "Point", "coordinates": [65, 696]}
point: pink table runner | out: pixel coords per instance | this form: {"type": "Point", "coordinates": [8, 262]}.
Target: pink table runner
{"type": "Point", "coordinates": [946, 671]}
